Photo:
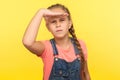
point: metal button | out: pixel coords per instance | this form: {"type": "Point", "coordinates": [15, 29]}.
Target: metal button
{"type": "Point", "coordinates": [78, 58]}
{"type": "Point", "coordinates": [60, 72]}
{"type": "Point", "coordinates": [56, 59]}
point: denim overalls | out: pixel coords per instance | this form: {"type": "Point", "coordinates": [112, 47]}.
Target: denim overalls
{"type": "Point", "coordinates": [63, 70]}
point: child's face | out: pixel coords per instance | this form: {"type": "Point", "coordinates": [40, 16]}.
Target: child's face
{"type": "Point", "coordinates": [59, 25]}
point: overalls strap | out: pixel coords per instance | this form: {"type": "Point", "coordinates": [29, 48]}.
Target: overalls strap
{"type": "Point", "coordinates": [55, 51]}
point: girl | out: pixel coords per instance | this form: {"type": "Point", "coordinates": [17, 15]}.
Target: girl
{"type": "Point", "coordinates": [64, 57]}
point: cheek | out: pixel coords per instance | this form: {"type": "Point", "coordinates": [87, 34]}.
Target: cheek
{"type": "Point", "coordinates": [66, 26]}
{"type": "Point", "coordinates": [50, 28]}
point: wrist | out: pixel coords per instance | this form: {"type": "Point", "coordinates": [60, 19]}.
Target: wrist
{"type": "Point", "coordinates": [42, 11]}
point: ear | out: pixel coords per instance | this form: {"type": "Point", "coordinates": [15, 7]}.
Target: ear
{"type": "Point", "coordinates": [70, 24]}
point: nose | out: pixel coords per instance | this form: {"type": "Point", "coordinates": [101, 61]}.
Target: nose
{"type": "Point", "coordinates": [58, 24]}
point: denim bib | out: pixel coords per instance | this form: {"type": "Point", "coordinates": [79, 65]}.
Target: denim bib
{"type": "Point", "coordinates": [63, 70]}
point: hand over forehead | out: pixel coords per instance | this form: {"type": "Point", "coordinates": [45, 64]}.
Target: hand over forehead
{"type": "Point", "coordinates": [51, 17]}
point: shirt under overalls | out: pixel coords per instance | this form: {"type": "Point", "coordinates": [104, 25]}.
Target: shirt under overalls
{"type": "Point", "coordinates": [63, 70]}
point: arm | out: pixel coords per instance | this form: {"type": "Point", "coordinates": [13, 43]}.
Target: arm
{"type": "Point", "coordinates": [30, 34]}
{"type": "Point", "coordinates": [86, 72]}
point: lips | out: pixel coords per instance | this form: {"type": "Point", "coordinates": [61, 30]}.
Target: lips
{"type": "Point", "coordinates": [58, 30]}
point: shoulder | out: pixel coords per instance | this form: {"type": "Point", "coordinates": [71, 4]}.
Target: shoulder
{"type": "Point", "coordinates": [48, 48]}
{"type": "Point", "coordinates": [82, 43]}
{"type": "Point", "coordinates": [45, 42]}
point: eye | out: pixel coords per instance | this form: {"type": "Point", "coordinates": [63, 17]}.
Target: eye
{"type": "Point", "coordinates": [62, 19]}
{"type": "Point", "coordinates": [53, 21]}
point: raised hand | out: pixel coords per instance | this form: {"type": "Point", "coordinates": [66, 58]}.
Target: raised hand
{"type": "Point", "coordinates": [48, 14]}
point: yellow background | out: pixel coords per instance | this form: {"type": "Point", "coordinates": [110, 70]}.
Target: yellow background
{"type": "Point", "coordinates": [97, 22]}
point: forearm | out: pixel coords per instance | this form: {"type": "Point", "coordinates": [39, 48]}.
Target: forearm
{"type": "Point", "coordinates": [86, 72]}
{"type": "Point", "coordinates": [88, 77]}
{"type": "Point", "coordinates": [32, 29]}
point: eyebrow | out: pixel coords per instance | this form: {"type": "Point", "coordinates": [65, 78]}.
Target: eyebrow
{"type": "Point", "coordinates": [54, 18]}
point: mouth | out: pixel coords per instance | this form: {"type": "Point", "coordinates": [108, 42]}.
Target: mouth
{"type": "Point", "coordinates": [58, 30]}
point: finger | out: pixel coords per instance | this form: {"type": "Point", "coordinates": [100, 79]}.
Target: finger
{"type": "Point", "coordinates": [61, 14]}
{"type": "Point", "coordinates": [65, 14]}
{"type": "Point", "coordinates": [56, 14]}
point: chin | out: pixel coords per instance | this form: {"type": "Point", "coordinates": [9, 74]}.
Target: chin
{"type": "Point", "coordinates": [59, 36]}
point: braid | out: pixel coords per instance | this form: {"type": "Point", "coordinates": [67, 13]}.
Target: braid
{"type": "Point", "coordinates": [72, 32]}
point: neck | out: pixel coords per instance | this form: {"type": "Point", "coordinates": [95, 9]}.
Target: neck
{"type": "Point", "coordinates": [63, 42]}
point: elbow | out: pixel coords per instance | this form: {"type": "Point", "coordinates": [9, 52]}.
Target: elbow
{"type": "Point", "coordinates": [26, 43]}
